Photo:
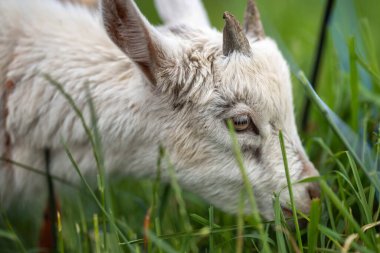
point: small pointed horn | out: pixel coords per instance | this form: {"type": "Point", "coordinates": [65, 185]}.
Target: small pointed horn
{"type": "Point", "coordinates": [252, 23]}
{"type": "Point", "coordinates": [233, 36]}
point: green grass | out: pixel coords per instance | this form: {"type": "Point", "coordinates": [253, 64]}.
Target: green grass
{"type": "Point", "coordinates": [342, 140]}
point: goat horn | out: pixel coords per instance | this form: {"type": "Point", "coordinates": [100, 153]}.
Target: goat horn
{"type": "Point", "coordinates": [252, 23]}
{"type": "Point", "coordinates": [233, 36]}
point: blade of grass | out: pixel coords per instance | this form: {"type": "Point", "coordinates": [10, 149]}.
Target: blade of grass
{"type": "Point", "coordinates": [377, 147]}
{"type": "Point", "coordinates": [98, 152]}
{"type": "Point", "coordinates": [334, 237]}
{"type": "Point", "coordinates": [240, 225]}
{"type": "Point", "coordinates": [79, 237]}
{"type": "Point", "coordinates": [290, 189]}
{"type": "Point", "coordinates": [95, 141]}
{"type": "Point", "coordinates": [181, 203]}
{"type": "Point", "coordinates": [97, 201]}
{"type": "Point", "coordinates": [201, 232]}
{"type": "Point", "coordinates": [83, 223]}
{"type": "Point", "coordinates": [12, 232]}
{"type": "Point", "coordinates": [211, 225]}
{"type": "Point", "coordinates": [97, 234]}
{"type": "Point", "coordinates": [347, 137]}
{"type": "Point", "coordinates": [354, 85]}
{"type": "Point", "coordinates": [40, 172]}
{"type": "Point", "coordinates": [337, 239]}
{"type": "Point", "coordinates": [339, 205]}
{"type": "Point", "coordinates": [368, 68]}
{"type": "Point", "coordinates": [79, 114]}
{"type": "Point", "coordinates": [369, 96]}
{"type": "Point", "coordinates": [278, 217]}
{"type": "Point", "coordinates": [362, 195]}
{"type": "Point", "coordinates": [248, 188]}
{"type": "Point", "coordinates": [178, 195]}
{"type": "Point", "coordinates": [61, 245]}
{"type": "Point", "coordinates": [203, 221]}
{"type": "Point", "coordinates": [160, 243]}
{"type": "Point", "coordinates": [373, 67]}
{"type": "Point", "coordinates": [158, 230]}
{"type": "Point", "coordinates": [8, 235]}
{"type": "Point", "coordinates": [363, 200]}
{"type": "Point", "coordinates": [155, 196]}
{"type": "Point", "coordinates": [312, 230]}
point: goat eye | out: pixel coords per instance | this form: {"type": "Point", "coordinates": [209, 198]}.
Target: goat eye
{"type": "Point", "coordinates": [241, 122]}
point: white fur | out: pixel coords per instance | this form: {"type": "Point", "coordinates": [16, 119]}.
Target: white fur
{"type": "Point", "coordinates": [197, 88]}
{"type": "Point", "coordinates": [190, 12]}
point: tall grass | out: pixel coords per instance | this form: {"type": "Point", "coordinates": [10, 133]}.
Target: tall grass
{"type": "Point", "coordinates": [126, 215]}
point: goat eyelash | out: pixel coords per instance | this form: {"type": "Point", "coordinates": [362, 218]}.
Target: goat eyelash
{"type": "Point", "coordinates": [244, 124]}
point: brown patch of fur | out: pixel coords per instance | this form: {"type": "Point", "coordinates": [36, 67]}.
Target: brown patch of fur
{"type": "Point", "coordinates": [120, 20]}
{"type": "Point", "coordinates": [8, 88]}
{"type": "Point", "coordinates": [257, 154]}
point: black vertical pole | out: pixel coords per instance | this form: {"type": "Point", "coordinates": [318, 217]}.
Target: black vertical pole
{"type": "Point", "coordinates": [52, 201]}
{"type": "Point", "coordinates": [317, 58]}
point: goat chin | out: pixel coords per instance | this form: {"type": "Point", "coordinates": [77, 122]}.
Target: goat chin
{"type": "Point", "coordinates": [174, 86]}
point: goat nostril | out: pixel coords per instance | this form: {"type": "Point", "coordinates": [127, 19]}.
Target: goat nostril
{"type": "Point", "coordinates": [314, 191]}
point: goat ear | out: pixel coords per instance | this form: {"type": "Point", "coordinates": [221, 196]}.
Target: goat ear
{"type": "Point", "coordinates": [133, 34]}
{"type": "Point", "coordinates": [191, 12]}
{"type": "Point", "coordinates": [252, 22]}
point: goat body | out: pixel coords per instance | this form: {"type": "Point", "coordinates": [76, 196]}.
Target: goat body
{"type": "Point", "coordinates": [172, 86]}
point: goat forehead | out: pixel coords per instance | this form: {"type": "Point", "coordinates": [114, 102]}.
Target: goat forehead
{"type": "Point", "coordinates": [256, 81]}
{"type": "Point", "coordinates": [255, 98]}
{"type": "Point", "coordinates": [260, 81]}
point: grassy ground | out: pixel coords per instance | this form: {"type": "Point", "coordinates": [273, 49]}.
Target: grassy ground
{"type": "Point", "coordinates": [345, 219]}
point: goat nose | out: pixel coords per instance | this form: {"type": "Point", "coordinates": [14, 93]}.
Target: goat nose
{"type": "Point", "coordinates": [313, 188]}
{"type": "Point", "coordinates": [314, 191]}
{"type": "Point", "coordinates": [309, 170]}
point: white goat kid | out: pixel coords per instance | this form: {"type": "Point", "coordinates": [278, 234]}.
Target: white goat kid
{"type": "Point", "coordinates": [174, 86]}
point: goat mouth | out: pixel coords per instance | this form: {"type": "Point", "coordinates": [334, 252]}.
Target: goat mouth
{"type": "Point", "coordinates": [287, 211]}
